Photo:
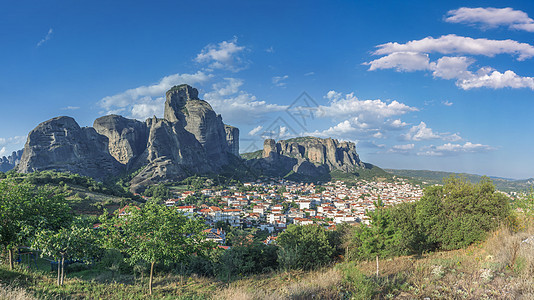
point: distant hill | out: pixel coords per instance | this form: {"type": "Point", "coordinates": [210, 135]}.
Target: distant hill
{"type": "Point", "coordinates": [436, 177]}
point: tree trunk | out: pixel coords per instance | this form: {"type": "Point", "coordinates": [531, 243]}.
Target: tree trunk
{"type": "Point", "coordinates": [10, 258]}
{"type": "Point", "coordinates": [377, 266]}
{"type": "Point", "coordinates": [151, 277]}
{"type": "Point", "coordinates": [58, 271]}
{"type": "Point", "coordinates": [62, 268]}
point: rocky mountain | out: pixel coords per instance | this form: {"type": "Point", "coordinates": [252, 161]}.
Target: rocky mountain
{"type": "Point", "coordinates": [191, 138]}
{"type": "Point", "coordinates": [306, 156]}
{"type": "Point", "coordinates": [9, 162]}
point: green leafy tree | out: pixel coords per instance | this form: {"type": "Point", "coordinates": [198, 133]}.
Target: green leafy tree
{"type": "Point", "coordinates": [77, 241]}
{"type": "Point", "coordinates": [155, 234]}
{"type": "Point", "coordinates": [25, 210]}
{"type": "Point", "coordinates": [253, 258]}
{"type": "Point", "coordinates": [447, 217]}
{"type": "Point", "coordinates": [312, 245]}
{"type": "Point", "coordinates": [459, 213]}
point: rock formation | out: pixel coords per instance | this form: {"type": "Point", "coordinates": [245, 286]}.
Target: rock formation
{"type": "Point", "coordinates": [190, 139]}
{"type": "Point", "coordinates": [60, 144]}
{"type": "Point", "coordinates": [8, 163]}
{"type": "Point", "coordinates": [232, 139]}
{"type": "Point", "coordinates": [127, 137]}
{"type": "Point", "coordinates": [308, 156]}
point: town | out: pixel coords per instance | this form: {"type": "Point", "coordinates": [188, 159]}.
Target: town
{"type": "Point", "coordinates": [273, 204]}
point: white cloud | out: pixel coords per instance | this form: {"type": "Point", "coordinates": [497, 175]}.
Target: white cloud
{"type": "Point", "coordinates": [453, 149]}
{"type": "Point", "coordinates": [147, 108]}
{"type": "Point", "coordinates": [255, 130]}
{"type": "Point", "coordinates": [270, 50]}
{"type": "Point", "coordinates": [447, 103]}
{"type": "Point", "coordinates": [3, 151]}
{"type": "Point", "coordinates": [449, 44]}
{"type": "Point", "coordinates": [403, 149]}
{"type": "Point", "coordinates": [397, 123]}
{"type": "Point", "coordinates": [309, 74]}
{"type": "Point", "coordinates": [138, 101]}
{"type": "Point", "coordinates": [455, 67]}
{"type": "Point", "coordinates": [236, 105]}
{"type": "Point", "coordinates": [486, 77]}
{"type": "Point", "coordinates": [46, 38]}
{"type": "Point", "coordinates": [279, 80]}
{"type": "Point", "coordinates": [420, 132]}
{"type": "Point", "coordinates": [224, 55]}
{"type": "Point", "coordinates": [491, 17]}
{"type": "Point", "coordinates": [278, 133]}
{"type": "Point", "coordinates": [350, 105]}
{"type": "Point", "coordinates": [401, 61]}
{"type": "Point", "coordinates": [364, 119]}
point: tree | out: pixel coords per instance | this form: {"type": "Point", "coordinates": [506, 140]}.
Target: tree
{"type": "Point", "coordinates": [447, 217]}
{"type": "Point", "coordinates": [252, 258]}
{"type": "Point", "coordinates": [74, 242]}
{"type": "Point", "coordinates": [25, 210]}
{"type": "Point", "coordinates": [459, 213]}
{"type": "Point", "coordinates": [312, 245]}
{"type": "Point", "coordinates": [155, 234]}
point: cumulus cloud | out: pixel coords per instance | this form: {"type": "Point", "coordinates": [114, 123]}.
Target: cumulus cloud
{"type": "Point", "coordinates": [486, 77]}
{"type": "Point", "coordinates": [491, 17]}
{"type": "Point", "coordinates": [364, 119]}
{"type": "Point", "coordinates": [139, 102]}
{"type": "Point", "coordinates": [454, 149]}
{"type": "Point", "coordinates": [454, 44]}
{"type": "Point", "coordinates": [224, 55]}
{"type": "Point", "coordinates": [236, 105]}
{"type": "Point", "coordinates": [421, 133]}
{"type": "Point", "coordinates": [47, 37]}
{"type": "Point", "coordinates": [454, 67]}
{"type": "Point", "coordinates": [346, 105]}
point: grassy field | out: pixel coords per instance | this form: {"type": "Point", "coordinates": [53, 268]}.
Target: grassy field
{"type": "Point", "coordinates": [500, 268]}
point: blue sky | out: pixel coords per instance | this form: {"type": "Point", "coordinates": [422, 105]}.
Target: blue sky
{"type": "Point", "coordinates": [439, 85]}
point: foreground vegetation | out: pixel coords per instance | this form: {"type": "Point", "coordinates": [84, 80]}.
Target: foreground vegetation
{"type": "Point", "coordinates": [461, 240]}
{"type": "Point", "coordinates": [482, 271]}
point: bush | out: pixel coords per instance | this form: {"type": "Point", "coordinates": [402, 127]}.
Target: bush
{"type": "Point", "coordinates": [311, 245]}
{"type": "Point", "coordinates": [447, 217]}
{"type": "Point", "coordinates": [460, 213]}
{"type": "Point", "coordinates": [250, 259]}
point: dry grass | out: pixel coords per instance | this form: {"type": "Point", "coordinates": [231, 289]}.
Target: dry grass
{"type": "Point", "coordinates": [500, 268]}
{"type": "Point", "coordinates": [14, 293]}
{"type": "Point", "coordinates": [322, 284]}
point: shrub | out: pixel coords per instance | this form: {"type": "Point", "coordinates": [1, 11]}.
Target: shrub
{"type": "Point", "coordinates": [447, 217]}
{"type": "Point", "coordinates": [313, 246]}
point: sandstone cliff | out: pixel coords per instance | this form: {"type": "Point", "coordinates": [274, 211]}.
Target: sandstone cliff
{"type": "Point", "coordinates": [308, 156]}
{"type": "Point", "coordinates": [190, 139]}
